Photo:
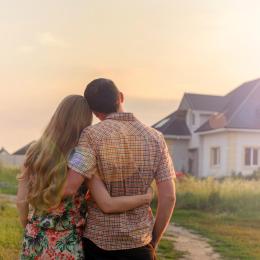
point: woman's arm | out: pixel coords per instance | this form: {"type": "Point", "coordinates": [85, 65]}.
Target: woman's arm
{"type": "Point", "coordinates": [110, 204]}
{"type": "Point", "coordinates": [21, 201]}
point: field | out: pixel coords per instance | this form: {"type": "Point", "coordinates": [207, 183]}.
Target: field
{"type": "Point", "coordinates": [8, 183]}
{"type": "Point", "coordinates": [227, 212]}
{"type": "Point", "coordinates": [10, 232]}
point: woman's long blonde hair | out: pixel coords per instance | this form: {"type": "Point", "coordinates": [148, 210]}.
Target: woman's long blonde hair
{"type": "Point", "coordinates": [46, 160]}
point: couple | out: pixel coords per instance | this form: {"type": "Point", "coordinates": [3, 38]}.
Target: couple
{"type": "Point", "coordinates": [84, 191]}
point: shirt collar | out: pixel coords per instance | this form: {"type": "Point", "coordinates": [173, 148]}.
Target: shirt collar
{"type": "Point", "coordinates": [121, 116]}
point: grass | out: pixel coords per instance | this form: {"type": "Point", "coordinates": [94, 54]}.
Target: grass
{"type": "Point", "coordinates": [8, 182]}
{"type": "Point", "coordinates": [234, 237]}
{"type": "Point", "coordinates": [166, 251]}
{"type": "Point", "coordinates": [227, 212]}
{"type": "Point", "coordinates": [10, 232]}
{"type": "Point", "coordinates": [229, 195]}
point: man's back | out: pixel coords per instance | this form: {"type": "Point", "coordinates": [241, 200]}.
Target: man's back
{"type": "Point", "coordinates": [129, 156]}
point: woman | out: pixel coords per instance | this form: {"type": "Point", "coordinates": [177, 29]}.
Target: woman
{"type": "Point", "coordinates": [53, 224]}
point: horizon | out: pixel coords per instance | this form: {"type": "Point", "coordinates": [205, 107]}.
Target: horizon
{"type": "Point", "coordinates": [152, 50]}
{"type": "Point", "coordinates": [149, 111]}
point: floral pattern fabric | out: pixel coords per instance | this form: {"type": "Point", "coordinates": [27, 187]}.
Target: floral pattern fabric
{"type": "Point", "coordinates": [57, 234]}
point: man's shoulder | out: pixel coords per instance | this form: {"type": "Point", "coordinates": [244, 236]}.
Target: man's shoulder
{"type": "Point", "coordinates": [155, 133]}
{"type": "Point", "coordinates": [95, 130]}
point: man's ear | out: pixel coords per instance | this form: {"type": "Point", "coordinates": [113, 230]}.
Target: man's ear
{"type": "Point", "coordinates": [121, 97]}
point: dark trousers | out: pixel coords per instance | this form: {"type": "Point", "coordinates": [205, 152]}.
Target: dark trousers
{"type": "Point", "coordinates": [92, 252]}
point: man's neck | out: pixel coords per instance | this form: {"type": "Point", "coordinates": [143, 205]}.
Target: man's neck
{"type": "Point", "coordinates": [121, 110]}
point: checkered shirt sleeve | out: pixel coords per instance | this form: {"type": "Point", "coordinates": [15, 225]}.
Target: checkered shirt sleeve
{"type": "Point", "coordinates": [82, 159]}
{"type": "Point", "coordinates": [165, 170]}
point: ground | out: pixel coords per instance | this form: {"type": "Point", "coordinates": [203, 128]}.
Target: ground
{"type": "Point", "coordinates": [213, 220]}
{"type": "Point", "coordinates": [194, 246]}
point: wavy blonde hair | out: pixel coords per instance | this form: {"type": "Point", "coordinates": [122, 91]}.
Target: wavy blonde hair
{"type": "Point", "coordinates": [46, 159]}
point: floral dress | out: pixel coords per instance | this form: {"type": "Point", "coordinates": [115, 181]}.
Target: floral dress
{"type": "Point", "coordinates": [57, 234]}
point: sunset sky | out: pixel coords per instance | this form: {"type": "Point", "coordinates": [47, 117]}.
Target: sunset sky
{"type": "Point", "coordinates": [154, 50]}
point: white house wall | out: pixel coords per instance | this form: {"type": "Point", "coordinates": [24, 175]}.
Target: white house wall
{"type": "Point", "coordinates": [232, 153]}
{"type": "Point", "coordinates": [178, 149]}
{"type": "Point", "coordinates": [200, 118]}
{"type": "Point", "coordinates": [244, 140]}
{"type": "Point", "coordinates": [207, 142]}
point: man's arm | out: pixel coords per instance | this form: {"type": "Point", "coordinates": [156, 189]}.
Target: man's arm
{"type": "Point", "coordinates": [164, 177]}
{"type": "Point", "coordinates": [81, 164]}
{"type": "Point", "coordinates": [165, 207]}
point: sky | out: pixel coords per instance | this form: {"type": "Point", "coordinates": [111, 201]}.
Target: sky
{"type": "Point", "coordinates": [154, 50]}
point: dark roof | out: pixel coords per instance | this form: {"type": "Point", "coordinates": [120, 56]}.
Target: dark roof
{"type": "Point", "coordinates": [203, 102]}
{"type": "Point", "coordinates": [23, 150]}
{"type": "Point", "coordinates": [241, 109]}
{"type": "Point", "coordinates": [174, 124]}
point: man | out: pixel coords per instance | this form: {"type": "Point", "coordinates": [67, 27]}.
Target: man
{"type": "Point", "coordinates": [128, 156]}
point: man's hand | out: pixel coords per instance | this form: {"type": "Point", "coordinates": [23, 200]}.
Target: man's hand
{"type": "Point", "coordinates": [166, 203]}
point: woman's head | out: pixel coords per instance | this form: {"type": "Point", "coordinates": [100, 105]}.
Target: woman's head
{"type": "Point", "coordinates": [46, 160]}
{"type": "Point", "coordinates": [70, 118]}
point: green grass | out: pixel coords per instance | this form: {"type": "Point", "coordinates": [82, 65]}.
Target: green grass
{"type": "Point", "coordinates": [10, 232]}
{"type": "Point", "coordinates": [166, 251]}
{"type": "Point", "coordinates": [233, 236]}
{"type": "Point", "coordinates": [8, 182]}
{"type": "Point", "coordinates": [229, 195]}
{"type": "Point", "coordinates": [227, 212]}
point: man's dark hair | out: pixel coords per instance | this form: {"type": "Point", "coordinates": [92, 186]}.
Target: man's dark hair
{"type": "Point", "coordinates": [102, 96]}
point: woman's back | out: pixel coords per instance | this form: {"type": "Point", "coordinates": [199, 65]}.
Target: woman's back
{"type": "Point", "coordinates": [56, 234]}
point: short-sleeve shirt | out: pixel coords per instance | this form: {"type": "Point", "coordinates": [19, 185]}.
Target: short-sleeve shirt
{"type": "Point", "coordinates": [128, 156]}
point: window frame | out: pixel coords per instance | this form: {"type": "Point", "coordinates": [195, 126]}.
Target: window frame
{"type": "Point", "coordinates": [215, 156]}
{"type": "Point", "coordinates": [253, 154]}
{"type": "Point", "coordinates": [192, 119]}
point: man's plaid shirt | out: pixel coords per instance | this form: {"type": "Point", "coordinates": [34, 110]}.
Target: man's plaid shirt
{"type": "Point", "coordinates": [128, 156]}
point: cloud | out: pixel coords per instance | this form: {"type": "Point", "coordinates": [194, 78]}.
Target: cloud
{"type": "Point", "coordinates": [50, 40]}
{"type": "Point", "coordinates": [43, 39]}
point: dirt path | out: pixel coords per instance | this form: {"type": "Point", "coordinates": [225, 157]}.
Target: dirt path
{"type": "Point", "coordinates": [9, 198]}
{"type": "Point", "coordinates": [195, 246]}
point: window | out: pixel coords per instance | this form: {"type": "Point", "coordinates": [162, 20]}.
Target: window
{"type": "Point", "coordinates": [255, 156]}
{"type": "Point", "coordinates": [215, 156]}
{"type": "Point", "coordinates": [251, 156]}
{"type": "Point", "coordinates": [193, 119]}
{"type": "Point", "coordinates": [248, 156]}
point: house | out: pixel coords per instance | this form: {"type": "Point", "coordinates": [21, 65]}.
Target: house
{"type": "Point", "coordinates": [22, 151]}
{"type": "Point", "coordinates": [4, 156]}
{"type": "Point", "coordinates": [215, 135]}
{"type": "Point", "coordinates": [13, 160]}
{"type": "Point", "coordinates": [3, 151]}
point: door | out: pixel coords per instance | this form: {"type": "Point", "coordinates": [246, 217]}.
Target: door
{"type": "Point", "coordinates": [194, 162]}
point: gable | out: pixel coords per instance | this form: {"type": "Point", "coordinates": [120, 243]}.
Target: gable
{"type": "Point", "coordinates": [241, 110]}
